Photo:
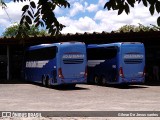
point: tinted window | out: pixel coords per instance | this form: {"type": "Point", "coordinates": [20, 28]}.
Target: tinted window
{"type": "Point", "coordinates": [102, 53]}
{"type": "Point", "coordinates": [42, 54]}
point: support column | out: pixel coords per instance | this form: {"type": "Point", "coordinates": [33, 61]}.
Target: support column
{"type": "Point", "coordinates": [8, 62]}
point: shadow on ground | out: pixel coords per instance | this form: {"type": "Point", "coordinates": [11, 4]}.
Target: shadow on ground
{"type": "Point", "coordinates": [145, 85]}
{"type": "Point", "coordinates": [12, 81]}
{"type": "Point", "coordinates": [128, 86]}
{"type": "Point", "coordinates": [152, 83]}
{"type": "Point", "coordinates": [62, 87]}
{"type": "Point", "coordinates": [65, 88]}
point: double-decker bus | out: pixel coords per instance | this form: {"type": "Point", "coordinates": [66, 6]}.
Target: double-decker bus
{"type": "Point", "coordinates": [116, 63]}
{"type": "Point", "coordinates": [56, 64]}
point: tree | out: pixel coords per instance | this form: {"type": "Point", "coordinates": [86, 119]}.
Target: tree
{"type": "Point", "coordinates": [13, 31]}
{"type": "Point", "coordinates": [128, 28]}
{"type": "Point", "coordinates": [40, 15]}
{"type": "Point", "coordinates": [43, 13]}
{"type": "Point", "coordinates": [124, 5]}
{"type": "Point", "coordinates": [2, 4]}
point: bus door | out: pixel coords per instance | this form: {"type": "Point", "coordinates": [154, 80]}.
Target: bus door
{"type": "Point", "coordinates": [73, 62]}
{"type": "Point", "coordinates": [133, 61]}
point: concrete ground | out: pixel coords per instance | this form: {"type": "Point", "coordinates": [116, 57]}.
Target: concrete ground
{"type": "Point", "coordinates": [34, 97]}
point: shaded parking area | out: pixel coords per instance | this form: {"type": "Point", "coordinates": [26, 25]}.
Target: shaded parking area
{"type": "Point", "coordinates": [12, 49]}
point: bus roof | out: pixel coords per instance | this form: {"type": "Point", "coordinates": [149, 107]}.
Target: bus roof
{"type": "Point", "coordinates": [111, 44]}
{"type": "Point", "coordinates": [51, 45]}
{"type": "Point", "coordinates": [41, 46]}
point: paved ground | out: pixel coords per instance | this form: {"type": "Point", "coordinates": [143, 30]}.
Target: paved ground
{"type": "Point", "coordinates": [33, 97]}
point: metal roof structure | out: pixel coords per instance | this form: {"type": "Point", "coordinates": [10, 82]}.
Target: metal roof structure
{"type": "Point", "coordinates": [103, 37]}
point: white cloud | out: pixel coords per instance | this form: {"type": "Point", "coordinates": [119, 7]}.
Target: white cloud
{"type": "Point", "coordinates": [92, 8]}
{"type": "Point", "coordinates": [109, 20]}
{"type": "Point", "coordinates": [83, 24]}
{"type": "Point", "coordinates": [102, 21]}
{"type": "Point", "coordinates": [10, 15]}
{"type": "Point", "coordinates": [139, 14]}
{"type": "Point", "coordinates": [58, 10]}
{"type": "Point", "coordinates": [3, 24]}
{"type": "Point", "coordinates": [102, 2]}
{"type": "Point", "coordinates": [85, 4]}
{"type": "Point", "coordinates": [14, 13]}
{"type": "Point", "coordinates": [87, 24]}
{"type": "Point", "coordinates": [111, 17]}
{"type": "Point", "coordinates": [77, 7]}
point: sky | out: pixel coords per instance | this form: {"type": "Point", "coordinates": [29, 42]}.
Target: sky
{"type": "Point", "coordinates": [84, 16]}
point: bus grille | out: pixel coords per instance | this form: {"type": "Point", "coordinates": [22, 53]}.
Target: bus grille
{"type": "Point", "coordinates": [73, 61]}
{"type": "Point", "coordinates": [133, 61]}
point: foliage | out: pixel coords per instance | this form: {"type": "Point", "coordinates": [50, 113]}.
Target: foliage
{"type": "Point", "coordinates": [2, 4]}
{"type": "Point", "coordinates": [124, 5]}
{"type": "Point", "coordinates": [42, 15]}
{"type": "Point", "coordinates": [13, 31]}
{"type": "Point", "coordinates": [128, 28]}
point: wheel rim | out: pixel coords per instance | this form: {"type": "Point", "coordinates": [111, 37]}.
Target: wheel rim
{"type": "Point", "coordinates": [96, 80]}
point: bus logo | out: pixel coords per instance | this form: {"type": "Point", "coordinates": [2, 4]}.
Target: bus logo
{"type": "Point", "coordinates": [73, 56]}
{"type": "Point", "coordinates": [36, 64]}
{"type": "Point", "coordinates": [133, 56]}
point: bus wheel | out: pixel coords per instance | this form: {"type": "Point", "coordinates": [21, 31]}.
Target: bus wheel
{"type": "Point", "coordinates": [103, 80]}
{"type": "Point", "coordinates": [48, 84]}
{"type": "Point", "coordinates": [96, 80]}
{"type": "Point", "coordinates": [43, 81]}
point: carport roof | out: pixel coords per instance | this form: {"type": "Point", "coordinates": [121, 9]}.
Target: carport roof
{"type": "Point", "coordinates": [103, 37]}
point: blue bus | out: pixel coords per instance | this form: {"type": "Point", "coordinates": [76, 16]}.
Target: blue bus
{"type": "Point", "coordinates": [116, 63]}
{"type": "Point", "coordinates": [56, 64]}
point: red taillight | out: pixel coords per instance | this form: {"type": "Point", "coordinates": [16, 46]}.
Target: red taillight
{"type": "Point", "coordinates": [60, 75]}
{"type": "Point", "coordinates": [85, 74]}
{"type": "Point", "coordinates": [121, 72]}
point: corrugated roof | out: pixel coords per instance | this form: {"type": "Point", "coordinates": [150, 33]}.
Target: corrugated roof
{"type": "Point", "coordinates": [95, 37]}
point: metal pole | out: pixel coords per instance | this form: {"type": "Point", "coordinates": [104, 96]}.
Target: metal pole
{"type": "Point", "coordinates": [8, 62]}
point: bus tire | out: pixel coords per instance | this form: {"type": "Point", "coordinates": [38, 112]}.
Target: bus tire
{"type": "Point", "coordinates": [48, 82]}
{"type": "Point", "coordinates": [103, 81]}
{"type": "Point", "coordinates": [43, 81]}
{"type": "Point", "coordinates": [96, 80]}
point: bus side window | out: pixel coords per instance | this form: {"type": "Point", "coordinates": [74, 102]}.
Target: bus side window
{"type": "Point", "coordinates": [47, 53]}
